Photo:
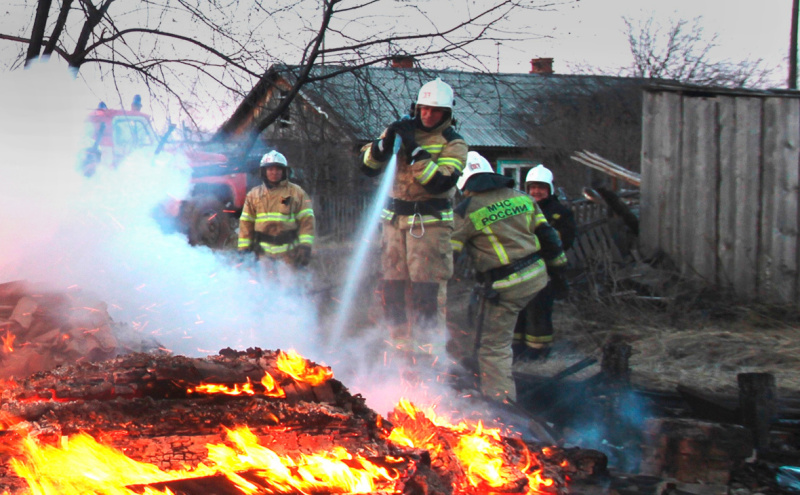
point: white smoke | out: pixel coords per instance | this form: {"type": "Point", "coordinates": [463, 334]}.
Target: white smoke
{"type": "Point", "coordinates": [61, 230]}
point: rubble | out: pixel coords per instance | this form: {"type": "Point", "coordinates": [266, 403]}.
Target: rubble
{"type": "Point", "coordinates": [43, 330]}
{"type": "Point", "coordinates": [166, 411]}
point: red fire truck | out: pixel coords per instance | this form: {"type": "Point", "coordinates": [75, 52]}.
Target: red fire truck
{"type": "Point", "coordinates": [210, 214]}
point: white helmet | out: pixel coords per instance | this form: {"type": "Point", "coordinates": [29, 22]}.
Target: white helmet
{"type": "Point", "coordinates": [540, 173]}
{"type": "Point", "coordinates": [436, 93]}
{"type": "Point", "coordinates": [273, 158]}
{"type": "Point", "coordinates": [476, 164]}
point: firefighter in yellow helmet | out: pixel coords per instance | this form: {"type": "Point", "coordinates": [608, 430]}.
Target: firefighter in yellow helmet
{"type": "Point", "coordinates": [416, 255]}
{"type": "Point", "coordinates": [277, 221]}
{"type": "Point", "coordinates": [512, 248]}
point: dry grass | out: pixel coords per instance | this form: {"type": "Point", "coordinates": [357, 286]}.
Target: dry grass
{"type": "Point", "coordinates": [703, 345]}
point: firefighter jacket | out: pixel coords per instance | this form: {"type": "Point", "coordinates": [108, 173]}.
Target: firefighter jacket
{"type": "Point", "coordinates": [505, 233]}
{"type": "Point", "coordinates": [560, 218]}
{"type": "Point", "coordinates": [423, 190]}
{"type": "Point", "coordinates": [276, 220]}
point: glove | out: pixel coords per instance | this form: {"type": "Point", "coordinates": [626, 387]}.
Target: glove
{"type": "Point", "coordinates": [382, 148]}
{"type": "Point", "coordinates": [302, 255]}
{"type": "Point", "coordinates": [559, 284]}
{"type": "Point", "coordinates": [405, 129]}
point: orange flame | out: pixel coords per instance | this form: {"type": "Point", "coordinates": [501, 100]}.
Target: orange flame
{"type": "Point", "coordinates": [271, 389]}
{"type": "Point", "coordinates": [479, 450]}
{"type": "Point", "coordinates": [83, 466]}
{"type": "Point", "coordinates": [8, 342]}
{"type": "Point", "coordinates": [296, 366]}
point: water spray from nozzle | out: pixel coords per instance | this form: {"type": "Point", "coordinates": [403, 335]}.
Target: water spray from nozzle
{"type": "Point", "coordinates": [364, 241]}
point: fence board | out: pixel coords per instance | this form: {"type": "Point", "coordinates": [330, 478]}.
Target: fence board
{"type": "Point", "coordinates": [698, 184]}
{"type": "Point", "coordinates": [777, 259]}
{"type": "Point", "coordinates": [738, 189]}
{"type": "Point", "coordinates": [747, 200]}
{"type": "Point", "coordinates": [726, 217]}
{"type": "Point", "coordinates": [660, 129]}
{"type": "Point", "coordinates": [661, 192]}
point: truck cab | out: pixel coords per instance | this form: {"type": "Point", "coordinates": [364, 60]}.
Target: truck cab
{"type": "Point", "coordinates": [210, 214]}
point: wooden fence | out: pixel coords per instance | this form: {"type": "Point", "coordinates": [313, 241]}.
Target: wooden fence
{"type": "Point", "coordinates": [339, 216]}
{"type": "Point", "coordinates": [720, 187]}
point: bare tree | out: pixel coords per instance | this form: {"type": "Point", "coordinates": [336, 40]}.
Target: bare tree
{"type": "Point", "coordinates": [188, 51]}
{"type": "Point", "coordinates": [681, 51]}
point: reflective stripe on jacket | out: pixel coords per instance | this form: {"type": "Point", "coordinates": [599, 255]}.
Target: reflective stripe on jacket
{"type": "Point", "coordinates": [418, 181]}
{"type": "Point", "coordinates": [501, 226]}
{"type": "Point", "coordinates": [272, 212]}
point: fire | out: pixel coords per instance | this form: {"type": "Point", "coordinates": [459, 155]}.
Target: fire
{"type": "Point", "coordinates": [8, 342]}
{"type": "Point", "coordinates": [480, 451]}
{"type": "Point", "coordinates": [469, 456]}
{"type": "Point", "coordinates": [296, 366]}
{"type": "Point", "coordinates": [483, 458]}
{"type": "Point", "coordinates": [82, 465]}
{"type": "Point", "coordinates": [291, 363]}
{"type": "Point", "coordinates": [271, 388]}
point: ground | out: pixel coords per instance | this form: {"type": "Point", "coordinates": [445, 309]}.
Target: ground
{"type": "Point", "coordinates": [692, 336]}
{"type": "Point", "coordinates": [699, 350]}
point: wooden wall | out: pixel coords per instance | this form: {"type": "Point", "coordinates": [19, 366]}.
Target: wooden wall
{"type": "Point", "coordinates": [720, 188]}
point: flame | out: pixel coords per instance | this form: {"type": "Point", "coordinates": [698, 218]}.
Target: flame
{"type": "Point", "coordinates": [482, 457]}
{"type": "Point", "coordinates": [271, 388]}
{"type": "Point", "coordinates": [8, 342]}
{"type": "Point", "coordinates": [479, 450]}
{"type": "Point", "coordinates": [82, 465]}
{"type": "Point", "coordinates": [296, 366]}
{"type": "Point", "coordinates": [215, 388]}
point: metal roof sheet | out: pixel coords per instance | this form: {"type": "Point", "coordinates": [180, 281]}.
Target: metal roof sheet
{"type": "Point", "coordinates": [492, 110]}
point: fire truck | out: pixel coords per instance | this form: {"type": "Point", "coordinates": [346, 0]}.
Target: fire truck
{"type": "Point", "coordinates": [210, 215]}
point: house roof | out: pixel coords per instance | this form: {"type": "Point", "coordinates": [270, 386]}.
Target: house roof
{"type": "Point", "coordinates": [492, 110]}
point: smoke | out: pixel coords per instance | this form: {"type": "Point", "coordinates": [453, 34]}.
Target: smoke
{"type": "Point", "coordinates": [62, 230]}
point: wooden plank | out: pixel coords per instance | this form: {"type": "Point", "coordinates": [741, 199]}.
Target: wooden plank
{"type": "Point", "coordinates": [671, 173]}
{"type": "Point", "coordinates": [747, 194]}
{"type": "Point", "coordinates": [698, 201]}
{"type": "Point", "coordinates": [609, 244]}
{"type": "Point", "coordinates": [785, 239]}
{"type": "Point", "coordinates": [660, 172]}
{"type": "Point", "coordinates": [648, 207]}
{"type": "Point", "coordinates": [777, 257]}
{"type": "Point", "coordinates": [726, 218]}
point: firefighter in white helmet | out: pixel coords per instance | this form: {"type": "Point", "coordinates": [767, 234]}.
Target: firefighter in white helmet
{"type": "Point", "coordinates": [512, 249]}
{"type": "Point", "coordinates": [418, 219]}
{"type": "Point", "coordinates": [277, 221]}
{"type": "Point", "coordinates": [533, 334]}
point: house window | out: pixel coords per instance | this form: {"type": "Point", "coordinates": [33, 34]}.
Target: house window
{"type": "Point", "coordinates": [285, 120]}
{"type": "Point", "coordinates": [516, 169]}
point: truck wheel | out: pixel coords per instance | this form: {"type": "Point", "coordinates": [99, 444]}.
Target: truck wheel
{"type": "Point", "coordinates": [207, 222]}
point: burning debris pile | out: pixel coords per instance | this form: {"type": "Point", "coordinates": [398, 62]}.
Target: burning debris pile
{"type": "Point", "coordinates": [249, 422]}
{"type": "Point", "coordinates": [41, 330]}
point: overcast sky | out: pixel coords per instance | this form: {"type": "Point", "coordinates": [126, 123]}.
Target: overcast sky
{"type": "Point", "coordinates": [577, 34]}
{"type": "Point", "coordinates": [592, 31]}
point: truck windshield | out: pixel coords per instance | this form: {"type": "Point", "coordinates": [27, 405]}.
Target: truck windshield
{"type": "Point", "coordinates": [133, 132]}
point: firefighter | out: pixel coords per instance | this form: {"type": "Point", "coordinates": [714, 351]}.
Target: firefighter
{"type": "Point", "coordinates": [417, 221]}
{"type": "Point", "coordinates": [277, 221]}
{"type": "Point", "coordinates": [533, 334]}
{"type": "Point", "coordinates": [513, 249]}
